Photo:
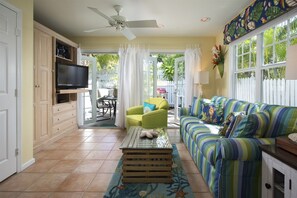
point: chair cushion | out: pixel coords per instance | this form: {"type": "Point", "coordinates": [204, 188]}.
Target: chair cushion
{"type": "Point", "coordinates": [254, 125]}
{"type": "Point", "coordinates": [134, 120]}
{"type": "Point", "coordinates": [147, 107]}
{"type": "Point", "coordinates": [160, 103]}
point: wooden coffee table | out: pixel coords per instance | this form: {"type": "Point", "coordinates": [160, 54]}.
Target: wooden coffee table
{"type": "Point", "coordinates": [146, 160]}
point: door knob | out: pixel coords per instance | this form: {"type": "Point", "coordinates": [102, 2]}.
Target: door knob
{"type": "Point", "coordinates": [268, 186]}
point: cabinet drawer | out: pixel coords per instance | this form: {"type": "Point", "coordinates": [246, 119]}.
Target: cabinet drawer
{"type": "Point", "coordinates": [63, 116]}
{"type": "Point", "coordinates": [64, 107]}
{"type": "Point", "coordinates": [66, 125]}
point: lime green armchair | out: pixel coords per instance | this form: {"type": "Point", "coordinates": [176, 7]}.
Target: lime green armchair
{"type": "Point", "coordinates": [150, 120]}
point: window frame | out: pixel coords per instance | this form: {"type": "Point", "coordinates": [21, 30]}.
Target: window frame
{"type": "Point", "coordinates": [259, 55]}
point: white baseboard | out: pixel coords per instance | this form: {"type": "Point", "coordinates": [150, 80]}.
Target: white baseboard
{"type": "Point", "coordinates": [28, 163]}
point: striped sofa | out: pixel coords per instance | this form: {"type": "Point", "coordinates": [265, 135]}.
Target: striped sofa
{"type": "Point", "coordinates": [231, 167]}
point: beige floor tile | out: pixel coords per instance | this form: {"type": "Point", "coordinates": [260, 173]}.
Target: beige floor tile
{"type": "Point", "coordinates": [40, 155]}
{"type": "Point", "coordinates": [89, 166]}
{"type": "Point", "coordinates": [69, 145]}
{"type": "Point", "coordinates": [95, 139]}
{"type": "Point", "coordinates": [76, 182]}
{"type": "Point", "coordinates": [104, 146]}
{"type": "Point", "coordinates": [56, 154]}
{"type": "Point", "coordinates": [100, 182]}
{"type": "Point", "coordinates": [9, 194]}
{"type": "Point", "coordinates": [72, 139]}
{"type": "Point", "coordinates": [34, 195]}
{"type": "Point", "coordinates": [189, 166]}
{"type": "Point", "coordinates": [86, 146]}
{"type": "Point", "coordinates": [117, 146]}
{"type": "Point", "coordinates": [65, 166]}
{"type": "Point", "coordinates": [41, 166]}
{"type": "Point", "coordinates": [203, 195]}
{"type": "Point", "coordinates": [53, 146]}
{"type": "Point", "coordinates": [184, 155]}
{"type": "Point", "coordinates": [115, 155]}
{"type": "Point", "coordinates": [67, 195]}
{"type": "Point", "coordinates": [181, 147]}
{"type": "Point", "coordinates": [109, 139]}
{"type": "Point", "coordinates": [19, 182]}
{"type": "Point", "coordinates": [197, 183]}
{"type": "Point", "coordinates": [93, 195]}
{"type": "Point", "coordinates": [108, 166]}
{"type": "Point", "coordinates": [48, 182]}
{"type": "Point", "coordinates": [98, 155]}
{"type": "Point", "coordinates": [77, 155]}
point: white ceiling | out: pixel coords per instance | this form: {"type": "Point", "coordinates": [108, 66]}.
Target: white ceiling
{"type": "Point", "coordinates": [177, 17]}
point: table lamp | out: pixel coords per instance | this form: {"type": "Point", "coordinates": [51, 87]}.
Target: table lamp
{"type": "Point", "coordinates": [201, 78]}
{"type": "Point", "coordinates": [291, 68]}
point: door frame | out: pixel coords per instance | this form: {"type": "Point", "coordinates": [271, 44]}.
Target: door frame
{"type": "Point", "coordinates": [18, 76]}
{"type": "Point", "coordinates": [176, 61]}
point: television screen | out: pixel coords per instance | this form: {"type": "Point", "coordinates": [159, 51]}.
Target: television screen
{"type": "Point", "coordinates": [70, 76]}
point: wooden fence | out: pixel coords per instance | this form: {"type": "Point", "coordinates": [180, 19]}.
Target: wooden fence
{"type": "Point", "coordinates": [274, 91]}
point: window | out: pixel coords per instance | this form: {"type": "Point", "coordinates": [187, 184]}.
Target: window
{"type": "Point", "coordinates": [262, 70]}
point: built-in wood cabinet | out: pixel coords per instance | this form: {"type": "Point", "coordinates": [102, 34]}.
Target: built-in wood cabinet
{"type": "Point", "coordinates": [279, 174]}
{"type": "Point", "coordinates": [43, 62]}
{"type": "Point", "coordinates": [54, 110]}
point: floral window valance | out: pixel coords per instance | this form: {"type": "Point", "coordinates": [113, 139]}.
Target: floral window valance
{"type": "Point", "coordinates": [256, 15]}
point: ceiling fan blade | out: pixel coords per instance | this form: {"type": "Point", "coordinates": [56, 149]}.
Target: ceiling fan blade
{"type": "Point", "coordinates": [128, 34]}
{"type": "Point", "coordinates": [96, 29]}
{"type": "Point", "coordinates": [101, 14]}
{"type": "Point", "coordinates": [142, 24]}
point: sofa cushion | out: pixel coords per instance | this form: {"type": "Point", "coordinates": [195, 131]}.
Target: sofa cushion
{"type": "Point", "coordinates": [186, 120]}
{"type": "Point", "coordinates": [196, 106]}
{"type": "Point", "coordinates": [228, 121]}
{"type": "Point", "coordinates": [256, 107]}
{"type": "Point", "coordinates": [219, 100]}
{"type": "Point", "coordinates": [194, 129]}
{"type": "Point", "coordinates": [254, 125]}
{"type": "Point", "coordinates": [206, 142]}
{"type": "Point", "coordinates": [232, 126]}
{"type": "Point", "coordinates": [211, 113]}
{"type": "Point", "coordinates": [283, 120]}
{"type": "Point", "coordinates": [233, 105]}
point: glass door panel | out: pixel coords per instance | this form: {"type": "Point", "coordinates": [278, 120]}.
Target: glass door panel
{"type": "Point", "coordinates": [179, 85]}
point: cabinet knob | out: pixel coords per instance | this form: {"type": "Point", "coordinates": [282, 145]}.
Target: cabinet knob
{"type": "Point", "coordinates": [268, 186]}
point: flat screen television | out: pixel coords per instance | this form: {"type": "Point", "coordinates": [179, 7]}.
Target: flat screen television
{"type": "Point", "coordinates": [71, 76]}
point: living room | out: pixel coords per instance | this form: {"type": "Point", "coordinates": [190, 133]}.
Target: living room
{"type": "Point", "coordinates": [167, 38]}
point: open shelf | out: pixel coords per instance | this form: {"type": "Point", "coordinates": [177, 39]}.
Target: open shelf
{"type": "Point", "coordinates": [68, 91]}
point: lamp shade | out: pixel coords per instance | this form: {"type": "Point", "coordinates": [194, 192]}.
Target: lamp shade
{"type": "Point", "coordinates": [201, 77]}
{"type": "Point", "coordinates": [291, 68]}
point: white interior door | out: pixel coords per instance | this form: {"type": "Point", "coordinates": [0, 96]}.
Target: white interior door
{"type": "Point", "coordinates": [179, 85]}
{"type": "Point", "coordinates": [8, 72]}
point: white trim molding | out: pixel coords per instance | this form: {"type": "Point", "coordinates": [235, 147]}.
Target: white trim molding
{"type": "Point", "coordinates": [27, 164]}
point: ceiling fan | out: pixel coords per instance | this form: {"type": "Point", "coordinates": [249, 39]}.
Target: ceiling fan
{"type": "Point", "coordinates": [120, 23]}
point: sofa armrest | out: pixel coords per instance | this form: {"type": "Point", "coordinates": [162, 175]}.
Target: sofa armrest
{"type": "Point", "coordinates": [155, 119]}
{"type": "Point", "coordinates": [185, 111]}
{"type": "Point", "coordinates": [135, 110]}
{"type": "Point", "coordinates": [243, 149]}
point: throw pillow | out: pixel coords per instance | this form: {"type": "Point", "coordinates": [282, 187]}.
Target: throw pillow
{"type": "Point", "coordinates": [211, 113]}
{"type": "Point", "coordinates": [228, 121]}
{"type": "Point", "coordinates": [252, 126]}
{"type": "Point", "coordinates": [235, 121]}
{"type": "Point", "coordinates": [147, 107]}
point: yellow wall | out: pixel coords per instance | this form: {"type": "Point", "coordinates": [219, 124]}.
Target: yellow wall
{"type": "Point", "coordinates": [157, 44]}
{"type": "Point", "coordinates": [222, 84]}
{"type": "Point", "coordinates": [27, 77]}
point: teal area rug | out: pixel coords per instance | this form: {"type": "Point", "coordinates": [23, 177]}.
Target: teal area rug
{"type": "Point", "coordinates": [180, 186]}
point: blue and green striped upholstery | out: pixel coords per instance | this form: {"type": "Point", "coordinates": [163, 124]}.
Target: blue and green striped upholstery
{"type": "Point", "coordinates": [233, 105]}
{"type": "Point", "coordinates": [184, 111]}
{"type": "Point", "coordinates": [254, 125]}
{"type": "Point", "coordinates": [283, 120]}
{"type": "Point", "coordinates": [231, 167]}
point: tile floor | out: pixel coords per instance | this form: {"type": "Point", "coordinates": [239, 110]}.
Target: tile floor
{"type": "Point", "coordinates": [81, 164]}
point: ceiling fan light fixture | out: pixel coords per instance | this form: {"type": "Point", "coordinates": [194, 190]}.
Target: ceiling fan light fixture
{"type": "Point", "coordinates": [205, 19]}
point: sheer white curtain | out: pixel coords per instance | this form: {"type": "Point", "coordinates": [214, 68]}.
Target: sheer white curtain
{"type": "Point", "coordinates": [80, 99]}
{"type": "Point", "coordinates": [130, 91]}
{"type": "Point", "coordinates": [192, 65]}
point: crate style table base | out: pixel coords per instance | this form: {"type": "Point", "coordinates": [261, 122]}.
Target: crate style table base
{"type": "Point", "coordinates": [146, 160]}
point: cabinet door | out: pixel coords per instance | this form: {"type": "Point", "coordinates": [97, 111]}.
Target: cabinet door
{"type": "Point", "coordinates": [42, 85]}
{"type": "Point", "coordinates": [293, 183]}
{"type": "Point", "coordinates": [266, 176]}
